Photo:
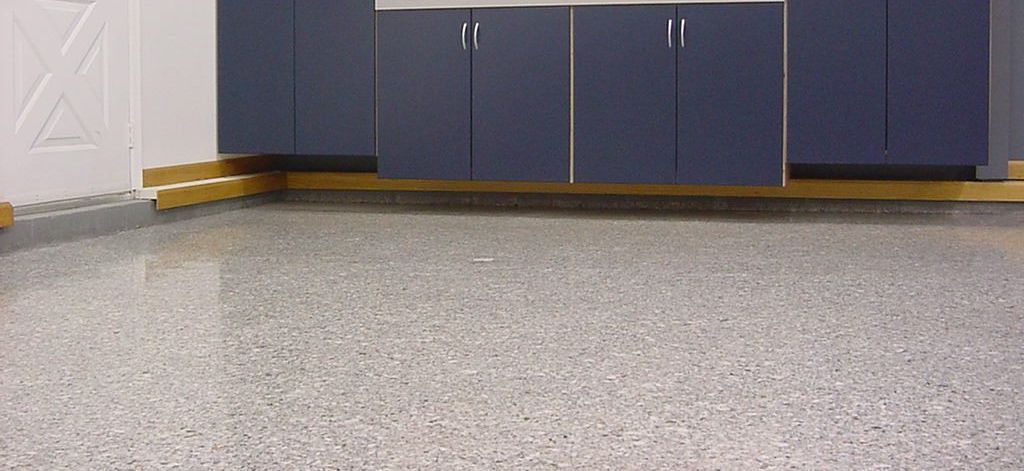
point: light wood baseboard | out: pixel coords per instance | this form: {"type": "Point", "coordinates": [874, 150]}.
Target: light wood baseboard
{"type": "Point", "coordinates": [206, 170]}
{"type": "Point", "coordinates": [258, 169]}
{"type": "Point", "coordinates": [221, 189]}
{"type": "Point", "coordinates": [807, 189]}
{"type": "Point", "coordinates": [252, 176]}
{"type": "Point", "coordinates": [6, 215]}
{"type": "Point", "coordinates": [1017, 170]}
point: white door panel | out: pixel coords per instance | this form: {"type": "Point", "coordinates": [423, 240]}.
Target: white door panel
{"type": "Point", "coordinates": [64, 91]}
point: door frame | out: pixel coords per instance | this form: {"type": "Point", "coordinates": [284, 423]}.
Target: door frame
{"type": "Point", "coordinates": [135, 96]}
{"type": "Point", "coordinates": [1000, 91]}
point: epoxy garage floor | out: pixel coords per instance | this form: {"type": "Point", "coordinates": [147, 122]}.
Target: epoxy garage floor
{"type": "Point", "coordinates": [303, 337]}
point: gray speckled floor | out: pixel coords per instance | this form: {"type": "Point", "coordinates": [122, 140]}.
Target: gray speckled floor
{"type": "Point", "coordinates": [304, 336]}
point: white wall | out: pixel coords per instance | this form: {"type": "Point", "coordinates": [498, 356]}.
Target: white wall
{"type": "Point", "coordinates": [177, 99]}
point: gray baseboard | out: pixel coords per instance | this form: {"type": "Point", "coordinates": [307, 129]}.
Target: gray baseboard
{"type": "Point", "coordinates": [649, 203]}
{"type": "Point", "coordinates": [65, 225]}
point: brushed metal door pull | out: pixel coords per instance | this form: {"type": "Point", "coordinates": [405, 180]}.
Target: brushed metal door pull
{"type": "Point", "coordinates": [670, 42]}
{"type": "Point", "coordinates": [682, 32]}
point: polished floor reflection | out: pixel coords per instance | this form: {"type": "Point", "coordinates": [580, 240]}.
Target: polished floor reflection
{"type": "Point", "coordinates": [305, 336]}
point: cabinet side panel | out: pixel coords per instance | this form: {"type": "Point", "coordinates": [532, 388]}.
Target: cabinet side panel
{"type": "Point", "coordinates": [1017, 143]}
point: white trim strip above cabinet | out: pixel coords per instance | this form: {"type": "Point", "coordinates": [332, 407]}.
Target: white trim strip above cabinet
{"type": "Point", "coordinates": [447, 4]}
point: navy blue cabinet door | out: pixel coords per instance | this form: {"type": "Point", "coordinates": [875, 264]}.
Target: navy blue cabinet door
{"type": "Point", "coordinates": [424, 94]}
{"type": "Point", "coordinates": [255, 76]}
{"type": "Point", "coordinates": [837, 81]}
{"type": "Point", "coordinates": [521, 94]}
{"type": "Point", "coordinates": [938, 82]}
{"type": "Point", "coordinates": [334, 82]}
{"type": "Point", "coordinates": [730, 95]}
{"type": "Point", "coordinates": [625, 102]}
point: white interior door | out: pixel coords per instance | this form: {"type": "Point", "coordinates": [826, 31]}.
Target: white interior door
{"type": "Point", "coordinates": [64, 94]}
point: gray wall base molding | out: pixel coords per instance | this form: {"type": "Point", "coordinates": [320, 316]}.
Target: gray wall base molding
{"type": "Point", "coordinates": [52, 227]}
{"type": "Point", "coordinates": [649, 203]}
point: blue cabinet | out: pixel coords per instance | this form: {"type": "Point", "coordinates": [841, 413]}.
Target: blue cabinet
{"type": "Point", "coordinates": [692, 94]}
{"type": "Point", "coordinates": [837, 81]}
{"type": "Point", "coordinates": [480, 95]}
{"type": "Point", "coordinates": [296, 77]}
{"type": "Point", "coordinates": [899, 82]}
{"type": "Point", "coordinates": [255, 76]}
{"type": "Point", "coordinates": [938, 82]}
{"type": "Point", "coordinates": [730, 94]}
{"type": "Point", "coordinates": [424, 66]}
{"type": "Point", "coordinates": [625, 94]}
{"type": "Point", "coordinates": [334, 77]}
{"type": "Point", "coordinates": [520, 94]}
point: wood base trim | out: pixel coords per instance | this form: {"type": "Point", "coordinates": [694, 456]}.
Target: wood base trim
{"type": "Point", "coordinates": [261, 165]}
{"type": "Point", "coordinates": [1008, 192]}
{"type": "Point", "coordinates": [1017, 170]}
{"type": "Point", "coordinates": [249, 185]}
{"type": "Point", "coordinates": [206, 170]}
{"type": "Point", "coordinates": [6, 215]}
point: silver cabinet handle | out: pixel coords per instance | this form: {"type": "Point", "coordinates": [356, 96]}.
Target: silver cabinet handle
{"type": "Point", "coordinates": [476, 36]}
{"type": "Point", "coordinates": [670, 33]}
{"type": "Point", "coordinates": [682, 32]}
{"type": "Point", "coordinates": [465, 28]}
